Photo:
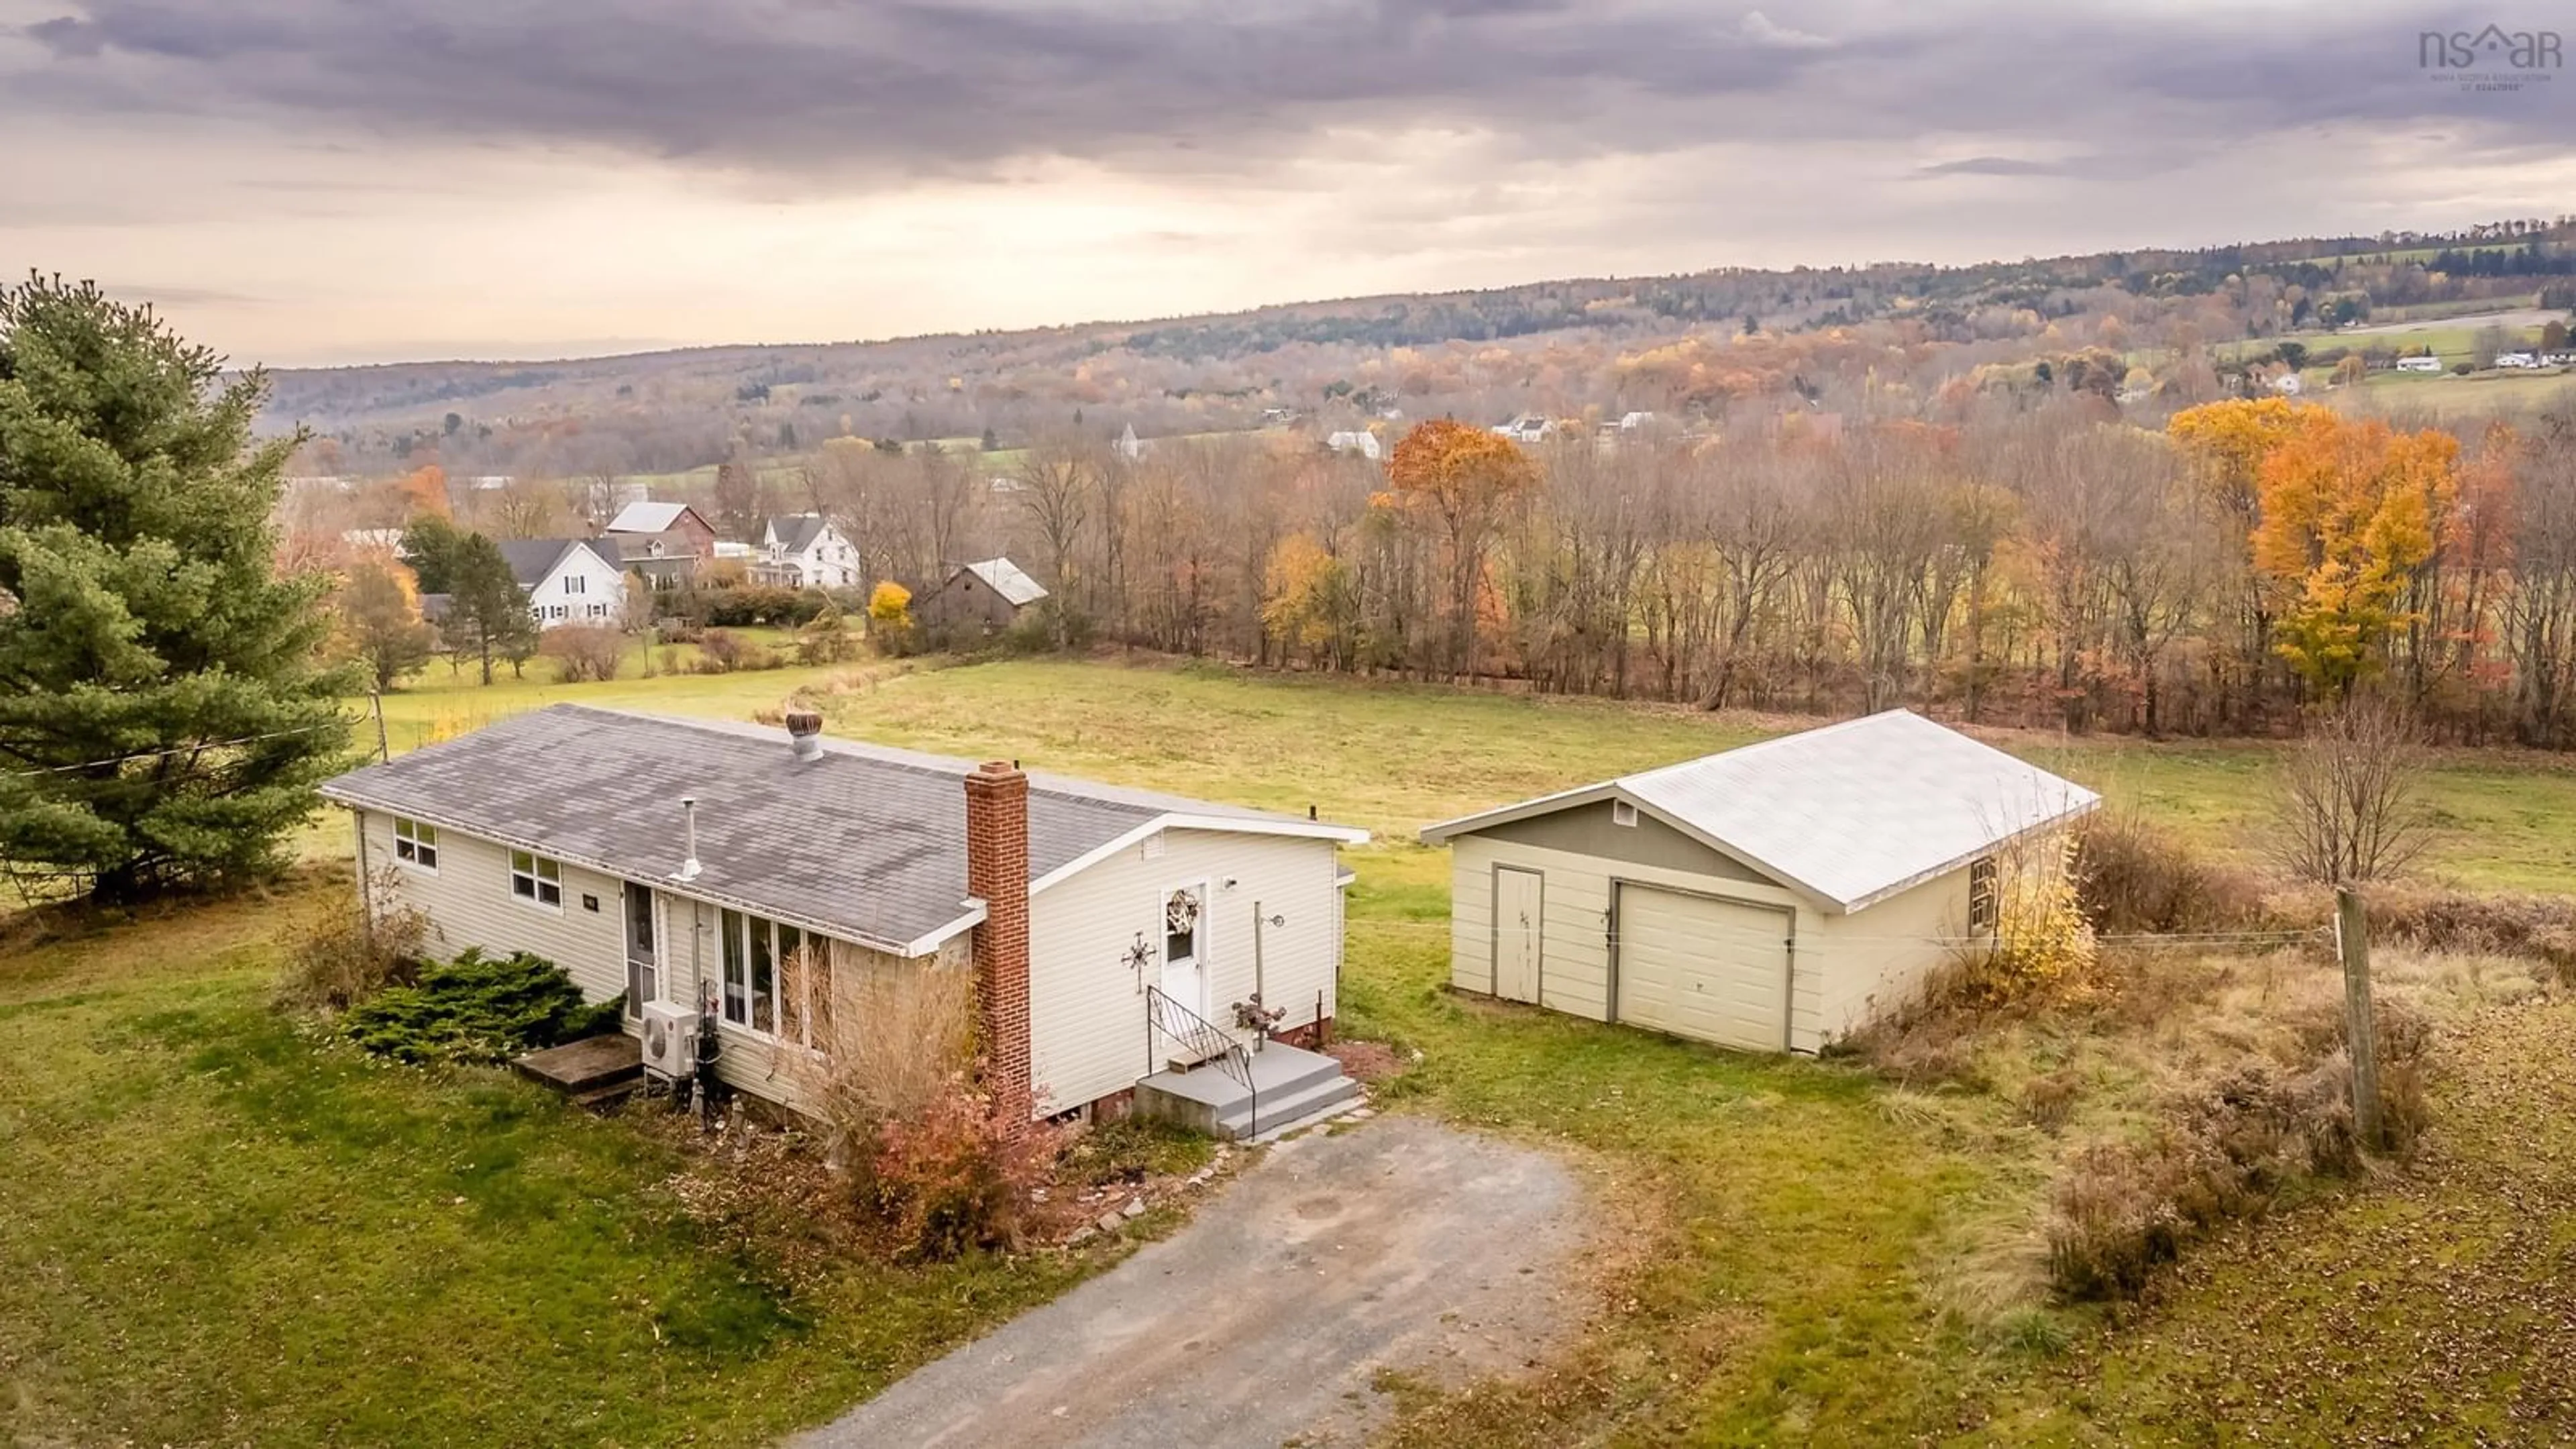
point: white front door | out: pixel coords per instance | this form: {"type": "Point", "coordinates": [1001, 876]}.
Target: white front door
{"type": "Point", "coordinates": [1185, 947]}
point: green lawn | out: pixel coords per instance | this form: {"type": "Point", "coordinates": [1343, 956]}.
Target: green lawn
{"type": "Point", "coordinates": [222, 1232]}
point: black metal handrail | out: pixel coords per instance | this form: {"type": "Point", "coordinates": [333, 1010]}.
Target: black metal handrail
{"type": "Point", "coordinates": [1201, 1043]}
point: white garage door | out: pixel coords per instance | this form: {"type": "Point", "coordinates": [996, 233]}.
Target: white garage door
{"type": "Point", "coordinates": [1707, 969]}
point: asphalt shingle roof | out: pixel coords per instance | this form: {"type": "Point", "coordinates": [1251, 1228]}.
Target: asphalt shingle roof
{"type": "Point", "coordinates": [1851, 813]}
{"type": "Point", "coordinates": [532, 559]}
{"type": "Point", "coordinates": [865, 842]}
{"type": "Point", "coordinates": [795, 532]}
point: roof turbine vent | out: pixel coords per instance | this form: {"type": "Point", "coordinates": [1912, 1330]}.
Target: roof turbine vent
{"type": "Point", "coordinates": [805, 733]}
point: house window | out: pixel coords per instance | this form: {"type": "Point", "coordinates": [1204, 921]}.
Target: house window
{"type": "Point", "coordinates": [777, 981]}
{"type": "Point", "coordinates": [1982, 906]}
{"type": "Point", "coordinates": [576, 585]}
{"type": "Point", "coordinates": [415, 843]}
{"type": "Point", "coordinates": [537, 880]}
{"type": "Point", "coordinates": [1622, 813]}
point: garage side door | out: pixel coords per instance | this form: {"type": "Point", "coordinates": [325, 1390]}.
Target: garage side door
{"type": "Point", "coordinates": [1711, 970]}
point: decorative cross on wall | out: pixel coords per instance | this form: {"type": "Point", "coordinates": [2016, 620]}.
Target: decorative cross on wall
{"type": "Point", "coordinates": [1138, 957]}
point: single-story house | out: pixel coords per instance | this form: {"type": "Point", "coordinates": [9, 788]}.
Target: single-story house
{"type": "Point", "coordinates": [647, 517]}
{"type": "Point", "coordinates": [980, 597]}
{"type": "Point", "coordinates": [1770, 898]}
{"type": "Point", "coordinates": [2419, 364]}
{"type": "Point", "coordinates": [1358, 441]}
{"type": "Point", "coordinates": [770, 877]}
{"type": "Point", "coordinates": [569, 580]}
{"type": "Point", "coordinates": [805, 551]}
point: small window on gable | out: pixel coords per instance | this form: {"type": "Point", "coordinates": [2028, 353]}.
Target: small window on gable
{"type": "Point", "coordinates": [535, 879]}
{"type": "Point", "coordinates": [1622, 813]}
{"type": "Point", "coordinates": [1982, 905]}
{"type": "Point", "coordinates": [415, 843]}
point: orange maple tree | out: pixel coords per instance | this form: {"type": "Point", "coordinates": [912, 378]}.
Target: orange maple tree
{"type": "Point", "coordinates": [1464, 476]}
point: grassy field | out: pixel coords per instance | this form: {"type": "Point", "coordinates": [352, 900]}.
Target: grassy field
{"type": "Point", "coordinates": [222, 1232]}
{"type": "Point", "coordinates": [226, 1233]}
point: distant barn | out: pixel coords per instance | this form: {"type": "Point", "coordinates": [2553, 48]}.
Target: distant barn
{"type": "Point", "coordinates": [981, 598]}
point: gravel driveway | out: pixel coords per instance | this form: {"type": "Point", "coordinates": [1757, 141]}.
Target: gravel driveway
{"type": "Point", "coordinates": [1400, 1244]}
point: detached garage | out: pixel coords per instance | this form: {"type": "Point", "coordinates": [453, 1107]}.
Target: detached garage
{"type": "Point", "coordinates": [1770, 898]}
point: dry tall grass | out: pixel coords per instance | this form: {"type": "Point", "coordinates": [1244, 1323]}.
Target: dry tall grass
{"type": "Point", "coordinates": [354, 950]}
{"type": "Point", "coordinates": [898, 1035]}
{"type": "Point", "coordinates": [2185, 1087]}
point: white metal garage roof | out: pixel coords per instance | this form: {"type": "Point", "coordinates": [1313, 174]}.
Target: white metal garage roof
{"type": "Point", "coordinates": [1851, 813]}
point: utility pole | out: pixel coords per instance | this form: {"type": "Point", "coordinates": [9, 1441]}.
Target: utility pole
{"type": "Point", "coordinates": [2361, 1033]}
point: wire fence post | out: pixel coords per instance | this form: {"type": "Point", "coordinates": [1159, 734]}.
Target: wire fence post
{"type": "Point", "coordinates": [2361, 1030]}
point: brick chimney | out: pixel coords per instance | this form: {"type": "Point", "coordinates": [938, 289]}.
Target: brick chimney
{"type": "Point", "coordinates": [997, 873]}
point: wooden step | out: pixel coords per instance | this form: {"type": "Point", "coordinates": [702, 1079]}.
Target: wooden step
{"type": "Point", "coordinates": [586, 1065]}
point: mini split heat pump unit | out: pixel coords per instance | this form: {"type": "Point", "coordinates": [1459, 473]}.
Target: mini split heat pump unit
{"type": "Point", "coordinates": [670, 1040]}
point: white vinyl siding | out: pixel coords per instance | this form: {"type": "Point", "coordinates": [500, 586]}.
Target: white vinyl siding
{"type": "Point", "coordinates": [584, 589]}
{"type": "Point", "coordinates": [1087, 980]}
{"type": "Point", "coordinates": [467, 902]}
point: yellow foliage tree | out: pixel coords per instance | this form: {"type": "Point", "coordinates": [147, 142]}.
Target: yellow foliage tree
{"type": "Point", "coordinates": [890, 606]}
{"type": "Point", "coordinates": [1305, 600]}
{"type": "Point", "coordinates": [2351, 510]}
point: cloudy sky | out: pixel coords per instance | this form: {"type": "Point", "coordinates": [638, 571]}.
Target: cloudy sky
{"type": "Point", "coordinates": [310, 181]}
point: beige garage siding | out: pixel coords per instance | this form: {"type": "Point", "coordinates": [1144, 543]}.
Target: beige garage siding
{"type": "Point", "coordinates": [1877, 959]}
{"type": "Point", "coordinates": [1575, 969]}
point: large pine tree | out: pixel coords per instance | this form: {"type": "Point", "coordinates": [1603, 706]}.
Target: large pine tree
{"type": "Point", "coordinates": [165, 712]}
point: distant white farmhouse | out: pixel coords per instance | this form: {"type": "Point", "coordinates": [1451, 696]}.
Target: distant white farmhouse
{"type": "Point", "coordinates": [1632, 421]}
{"type": "Point", "coordinates": [2419, 364]}
{"type": "Point", "coordinates": [1129, 446]}
{"type": "Point", "coordinates": [1363, 443]}
{"type": "Point", "coordinates": [1528, 428]}
{"type": "Point", "coordinates": [2516, 359]}
{"type": "Point", "coordinates": [805, 551]}
{"type": "Point", "coordinates": [569, 580]}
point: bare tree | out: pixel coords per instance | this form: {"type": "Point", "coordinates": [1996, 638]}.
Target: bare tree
{"type": "Point", "coordinates": [2350, 805]}
{"type": "Point", "coordinates": [1058, 483]}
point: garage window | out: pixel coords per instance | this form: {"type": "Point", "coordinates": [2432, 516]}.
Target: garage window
{"type": "Point", "coordinates": [1982, 909]}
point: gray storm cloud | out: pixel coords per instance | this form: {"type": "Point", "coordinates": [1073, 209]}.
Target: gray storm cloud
{"type": "Point", "coordinates": [820, 89]}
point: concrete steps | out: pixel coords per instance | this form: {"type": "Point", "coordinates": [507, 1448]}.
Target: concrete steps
{"type": "Point", "coordinates": [1292, 1086]}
